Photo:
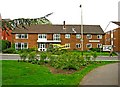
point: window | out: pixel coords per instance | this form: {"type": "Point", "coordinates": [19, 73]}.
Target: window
{"type": "Point", "coordinates": [78, 45]}
{"type": "Point", "coordinates": [89, 45]}
{"type": "Point", "coordinates": [42, 36]}
{"type": "Point", "coordinates": [21, 45]}
{"type": "Point", "coordinates": [89, 36]}
{"type": "Point", "coordinates": [99, 36]}
{"type": "Point", "coordinates": [78, 36]}
{"type": "Point", "coordinates": [67, 35]}
{"type": "Point", "coordinates": [56, 36]}
{"type": "Point", "coordinates": [67, 45]}
{"type": "Point", "coordinates": [21, 36]}
{"type": "Point", "coordinates": [99, 45]}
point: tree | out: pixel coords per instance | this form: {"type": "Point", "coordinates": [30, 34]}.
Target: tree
{"type": "Point", "coordinates": [12, 24]}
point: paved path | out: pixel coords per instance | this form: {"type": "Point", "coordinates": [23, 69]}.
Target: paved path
{"type": "Point", "coordinates": [104, 75]}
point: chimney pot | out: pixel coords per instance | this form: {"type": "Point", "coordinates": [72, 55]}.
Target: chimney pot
{"type": "Point", "coordinates": [64, 25]}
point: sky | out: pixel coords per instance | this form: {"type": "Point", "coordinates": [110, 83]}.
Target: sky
{"type": "Point", "coordinates": [95, 12]}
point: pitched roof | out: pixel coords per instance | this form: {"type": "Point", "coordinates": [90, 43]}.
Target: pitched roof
{"type": "Point", "coordinates": [91, 29]}
{"type": "Point", "coordinates": [117, 23]}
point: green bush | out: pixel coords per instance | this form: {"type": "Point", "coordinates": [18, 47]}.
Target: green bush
{"type": "Point", "coordinates": [56, 51]}
{"type": "Point", "coordinates": [43, 56]}
{"type": "Point", "coordinates": [68, 61]}
{"type": "Point", "coordinates": [10, 50]}
{"type": "Point", "coordinates": [94, 54]}
{"type": "Point", "coordinates": [95, 49]}
{"type": "Point", "coordinates": [4, 44]}
{"type": "Point", "coordinates": [31, 56]}
{"type": "Point", "coordinates": [23, 56]}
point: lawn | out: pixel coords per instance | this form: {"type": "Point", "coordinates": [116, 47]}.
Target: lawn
{"type": "Point", "coordinates": [22, 73]}
{"type": "Point", "coordinates": [98, 53]}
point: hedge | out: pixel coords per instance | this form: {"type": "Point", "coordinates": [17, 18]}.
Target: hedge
{"type": "Point", "coordinates": [4, 44]}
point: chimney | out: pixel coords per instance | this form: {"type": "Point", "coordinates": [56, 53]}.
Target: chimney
{"type": "Point", "coordinates": [64, 25]}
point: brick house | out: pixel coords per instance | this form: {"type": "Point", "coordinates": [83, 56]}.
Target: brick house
{"type": "Point", "coordinates": [41, 36]}
{"type": "Point", "coordinates": [5, 34]}
{"type": "Point", "coordinates": [113, 38]}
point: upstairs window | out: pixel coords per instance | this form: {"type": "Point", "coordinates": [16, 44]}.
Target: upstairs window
{"type": "Point", "coordinates": [67, 35]}
{"type": "Point", "coordinates": [99, 36]}
{"type": "Point", "coordinates": [89, 36]}
{"type": "Point", "coordinates": [78, 36]}
{"type": "Point", "coordinates": [21, 36]}
{"type": "Point", "coordinates": [56, 36]}
{"type": "Point", "coordinates": [42, 36]}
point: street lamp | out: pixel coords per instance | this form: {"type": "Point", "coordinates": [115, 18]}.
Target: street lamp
{"type": "Point", "coordinates": [81, 29]}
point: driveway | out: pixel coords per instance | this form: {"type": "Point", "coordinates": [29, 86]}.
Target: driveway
{"type": "Point", "coordinates": [104, 75]}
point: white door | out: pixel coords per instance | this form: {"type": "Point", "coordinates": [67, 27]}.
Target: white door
{"type": "Point", "coordinates": [41, 47]}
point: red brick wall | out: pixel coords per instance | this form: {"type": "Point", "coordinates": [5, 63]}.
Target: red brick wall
{"type": "Point", "coordinates": [107, 38]}
{"type": "Point", "coordinates": [116, 39]}
{"type": "Point", "coordinates": [32, 40]}
{"type": "Point", "coordinates": [4, 35]}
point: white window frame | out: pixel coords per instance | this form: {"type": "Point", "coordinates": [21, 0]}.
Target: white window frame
{"type": "Point", "coordinates": [78, 36]}
{"type": "Point", "coordinates": [89, 44]}
{"type": "Point", "coordinates": [67, 45]}
{"type": "Point", "coordinates": [78, 45]}
{"type": "Point", "coordinates": [67, 36]}
{"type": "Point", "coordinates": [42, 47]}
{"type": "Point", "coordinates": [22, 45]}
{"type": "Point", "coordinates": [22, 36]}
{"type": "Point", "coordinates": [99, 36]}
{"type": "Point", "coordinates": [56, 37]}
{"type": "Point", "coordinates": [42, 36]}
{"type": "Point", "coordinates": [98, 45]}
{"type": "Point", "coordinates": [88, 36]}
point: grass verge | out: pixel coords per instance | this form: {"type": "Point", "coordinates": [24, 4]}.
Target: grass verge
{"type": "Point", "coordinates": [22, 73]}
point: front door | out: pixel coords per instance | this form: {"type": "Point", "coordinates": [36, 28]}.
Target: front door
{"type": "Point", "coordinates": [41, 47]}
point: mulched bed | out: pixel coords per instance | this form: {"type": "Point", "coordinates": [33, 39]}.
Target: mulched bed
{"type": "Point", "coordinates": [60, 71]}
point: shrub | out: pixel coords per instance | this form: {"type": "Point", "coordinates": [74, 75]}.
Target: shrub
{"type": "Point", "coordinates": [94, 54]}
{"type": "Point", "coordinates": [68, 61]}
{"type": "Point", "coordinates": [50, 48]}
{"type": "Point", "coordinates": [31, 56]}
{"type": "Point", "coordinates": [23, 56]}
{"type": "Point", "coordinates": [9, 50]}
{"type": "Point", "coordinates": [95, 49]}
{"type": "Point", "coordinates": [43, 56]}
{"type": "Point", "coordinates": [57, 49]}
{"type": "Point", "coordinates": [4, 44]}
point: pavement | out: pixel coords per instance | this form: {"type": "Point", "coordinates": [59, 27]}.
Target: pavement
{"type": "Point", "coordinates": [107, 58]}
{"type": "Point", "coordinates": [16, 57]}
{"type": "Point", "coordinates": [9, 56]}
{"type": "Point", "coordinates": [104, 75]}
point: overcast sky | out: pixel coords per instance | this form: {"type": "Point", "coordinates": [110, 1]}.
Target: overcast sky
{"type": "Point", "coordinates": [95, 12]}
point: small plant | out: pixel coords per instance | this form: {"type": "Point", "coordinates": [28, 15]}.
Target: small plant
{"type": "Point", "coordinates": [23, 56]}
{"type": "Point", "coordinates": [31, 56]}
{"type": "Point", "coordinates": [94, 54]}
{"type": "Point", "coordinates": [9, 50]}
{"type": "Point", "coordinates": [43, 56]}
